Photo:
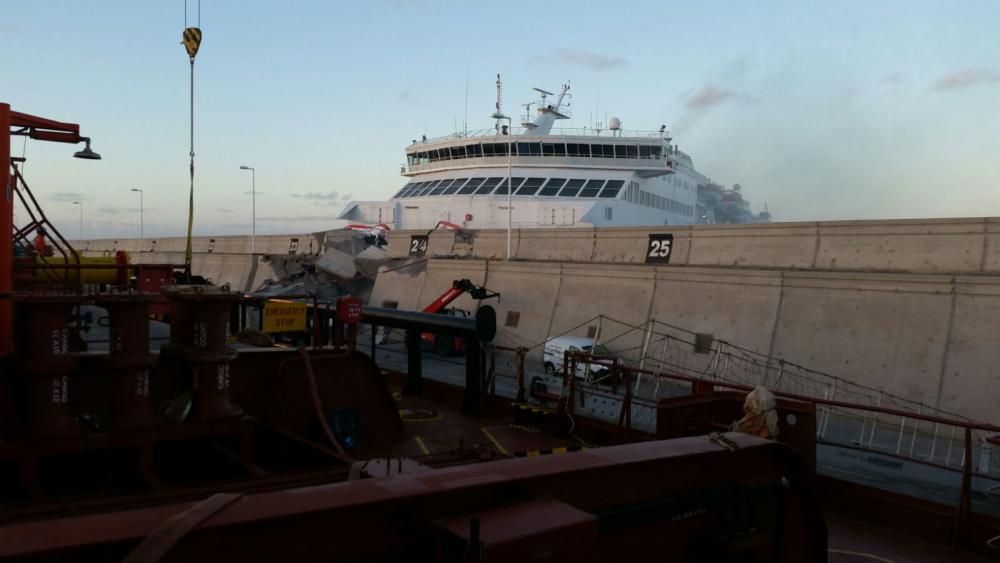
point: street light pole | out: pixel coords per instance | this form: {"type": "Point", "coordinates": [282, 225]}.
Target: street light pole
{"type": "Point", "coordinates": [253, 208]}
{"type": "Point", "coordinates": [80, 203]}
{"type": "Point", "coordinates": [141, 234]}
{"type": "Point", "coordinates": [510, 152]}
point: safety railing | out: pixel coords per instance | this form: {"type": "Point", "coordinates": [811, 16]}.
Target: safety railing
{"type": "Point", "coordinates": [602, 133]}
{"type": "Point", "coordinates": [633, 162]}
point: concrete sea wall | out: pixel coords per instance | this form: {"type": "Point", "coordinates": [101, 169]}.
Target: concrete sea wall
{"type": "Point", "coordinates": [909, 306]}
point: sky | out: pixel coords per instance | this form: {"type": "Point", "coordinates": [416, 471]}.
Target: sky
{"type": "Point", "coordinates": [821, 111]}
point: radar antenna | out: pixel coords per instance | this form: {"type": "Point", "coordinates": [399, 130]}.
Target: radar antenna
{"type": "Point", "coordinates": [544, 93]}
{"type": "Point", "coordinates": [499, 105]}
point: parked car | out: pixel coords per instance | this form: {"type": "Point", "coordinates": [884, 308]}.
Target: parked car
{"type": "Point", "coordinates": [555, 349]}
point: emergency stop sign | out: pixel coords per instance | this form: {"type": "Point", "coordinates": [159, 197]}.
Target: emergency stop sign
{"type": "Point", "coordinates": [349, 310]}
{"type": "Point", "coordinates": [284, 316]}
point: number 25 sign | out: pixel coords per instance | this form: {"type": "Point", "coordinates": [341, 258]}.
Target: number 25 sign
{"type": "Point", "coordinates": [658, 249]}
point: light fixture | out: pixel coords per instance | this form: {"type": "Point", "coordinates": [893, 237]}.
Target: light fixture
{"type": "Point", "coordinates": [86, 153]}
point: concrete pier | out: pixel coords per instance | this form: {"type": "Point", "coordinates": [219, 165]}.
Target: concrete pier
{"type": "Point", "coordinates": [909, 306]}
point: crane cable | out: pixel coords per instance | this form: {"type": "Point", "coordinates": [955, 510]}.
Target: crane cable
{"type": "Point", "coordinates": [191, 41]}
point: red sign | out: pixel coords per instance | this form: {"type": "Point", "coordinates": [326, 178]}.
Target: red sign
{"type": "Point", "coordinates": [349, 310]}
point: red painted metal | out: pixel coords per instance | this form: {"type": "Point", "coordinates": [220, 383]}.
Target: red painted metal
{"type": "Point", "coordinates": [129, 363]}
{"type": "Point", "coordinates": [349, 310]}
{"type": "Point", "coordinates": [45, 365]}
{"type": "Point", "coordinates": [198, 337]}
{"type": "Point", "coordinates": [35, 127]}
{"type": "Point", "coordinates": [6, 237]}
{"type": "Point", "coordinates": [706, 412]}
{"type": "Point", "coordinates": [754, 503]}
{"type": "Point", "coordinates": [45, 129]}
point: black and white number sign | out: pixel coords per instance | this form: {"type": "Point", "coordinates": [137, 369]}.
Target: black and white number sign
{"type": "Point", "coordinates": [418, 245]}
{"type": "Point", "coordinates": [659, 248]}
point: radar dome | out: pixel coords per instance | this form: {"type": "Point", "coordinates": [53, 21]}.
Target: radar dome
{"type": "Point", "coordinates": [615, 124]}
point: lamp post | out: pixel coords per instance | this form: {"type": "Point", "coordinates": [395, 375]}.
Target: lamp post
{"type": "Point", "coordinates": [141, 237]}
{"type": "Point", "coordinates": [80, 203]}
{"type": "Point", "coordinates": [510, 150]}
{"type": "Point", "coordinates": [253, 208]}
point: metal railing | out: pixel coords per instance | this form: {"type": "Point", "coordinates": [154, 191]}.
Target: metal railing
{"type": "Point", "coordinates": [590, 132]}
{"type": "Point", "coordinates": [628, 163]}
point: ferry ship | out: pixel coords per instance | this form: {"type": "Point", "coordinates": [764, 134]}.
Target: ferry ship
{"type": "Point", "coordinates": [537, 175]}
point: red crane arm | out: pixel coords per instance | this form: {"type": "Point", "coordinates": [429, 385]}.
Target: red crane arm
{"type": "Point", "coordinates": [444, 299]}
{"type": "Point", "coordinates": [458, 287]}
{"type": "Point", "coordinates": [44, 129]}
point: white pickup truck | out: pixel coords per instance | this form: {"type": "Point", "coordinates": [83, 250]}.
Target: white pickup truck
{"type": "Point", "coordinates": [555, 348]}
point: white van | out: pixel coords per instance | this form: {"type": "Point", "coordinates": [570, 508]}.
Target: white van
{"type": "Point", "coordinates": [554, 352]}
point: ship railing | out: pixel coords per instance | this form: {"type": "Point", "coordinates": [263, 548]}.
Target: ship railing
{"type": "Point", "coordinates": [593, 132]}
{"type": "Point", "coordinates": [518, 160]}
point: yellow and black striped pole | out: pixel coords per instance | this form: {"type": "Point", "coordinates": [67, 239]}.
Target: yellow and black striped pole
{"type": "Point", "coordinates": [191, 41]}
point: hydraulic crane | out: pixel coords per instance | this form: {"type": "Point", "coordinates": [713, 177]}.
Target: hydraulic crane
{"type": "Point", "coordinates": [447, 345]}
{"type": "Point", "coordinates": [42, 129]}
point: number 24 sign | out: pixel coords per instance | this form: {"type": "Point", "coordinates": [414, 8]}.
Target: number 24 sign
{"type": "Point", "coordinates": [418, 245]}
{"type": "Point", "coordinates": [658, 249]}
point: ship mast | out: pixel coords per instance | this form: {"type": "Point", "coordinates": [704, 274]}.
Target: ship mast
{"type": "Point", "coordinates": [499, 104]}
{"type": "Point", "coordinates": [548, 113]}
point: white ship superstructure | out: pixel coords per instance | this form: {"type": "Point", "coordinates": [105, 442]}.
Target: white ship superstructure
{"type": "Point", "coordinates": [558, 178]}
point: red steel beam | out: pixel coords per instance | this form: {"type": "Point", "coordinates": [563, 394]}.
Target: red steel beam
{"type": "Point", "coordinates": [6, 237]}
{"type": "Point", "coordinates": [70, 132]}
{"type": "Point", "coordinates": [37, 128]}
{"type": "Point", "coordinates": [376, 517]}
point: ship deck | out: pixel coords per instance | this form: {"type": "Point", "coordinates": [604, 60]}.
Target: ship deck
{"type": "Point", "coordinates": [856, 541]}
{"type": "Point", "coordinates": [491, 435]}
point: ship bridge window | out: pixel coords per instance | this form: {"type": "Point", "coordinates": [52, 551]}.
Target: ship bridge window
{"type": "Point", "coordinates": [488, 186]}
{"type": "Point", "coordinates": [529, 149]}
{"type": "Point", "coordinates": [552, 186]}
{"type": "Point", "coordinates": [645, 151]}
{"type": "Point", "coordinates": [495, 149]}
{"type": "Point", "coordinates": [457, 152]}
{"type": "Point", "coordinates": [572, 188]}
{"type": "Point", "coordinates": [454, 186]}
{"type": "Point", "coordinates": [442, 185]}
{"type": "Point", "coordinates": [577, 150]}
{"type": "Point", "coordinates": [657, 152]}
{"type": "Point", "coordinates": [502, 188]}
{"type": "Point", "coordinates": [553, 149]}
{"type": "Point", "coordinates": [612, 188]}
{"type": "Point", "coordinates": [530, 186]}
{"type": "Point", "coordinates": [632, 151]}
{"type": "Point", "coordinates": [606, 151]}
{"type": "Point", "coordinates": [405, 189]}
{"type": "Point", "coordinates": [471, 186]}
{"type": "Point", "coordinates": [620, 151]}
{"type": "Point", "coordinates": [425, 190]}
{"type": "Point", "coordinates": [473, 150]}
{"type": "Point", "coordinates": [439, 187]}
{"type": "Point", "coordinates": [592, 188]}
